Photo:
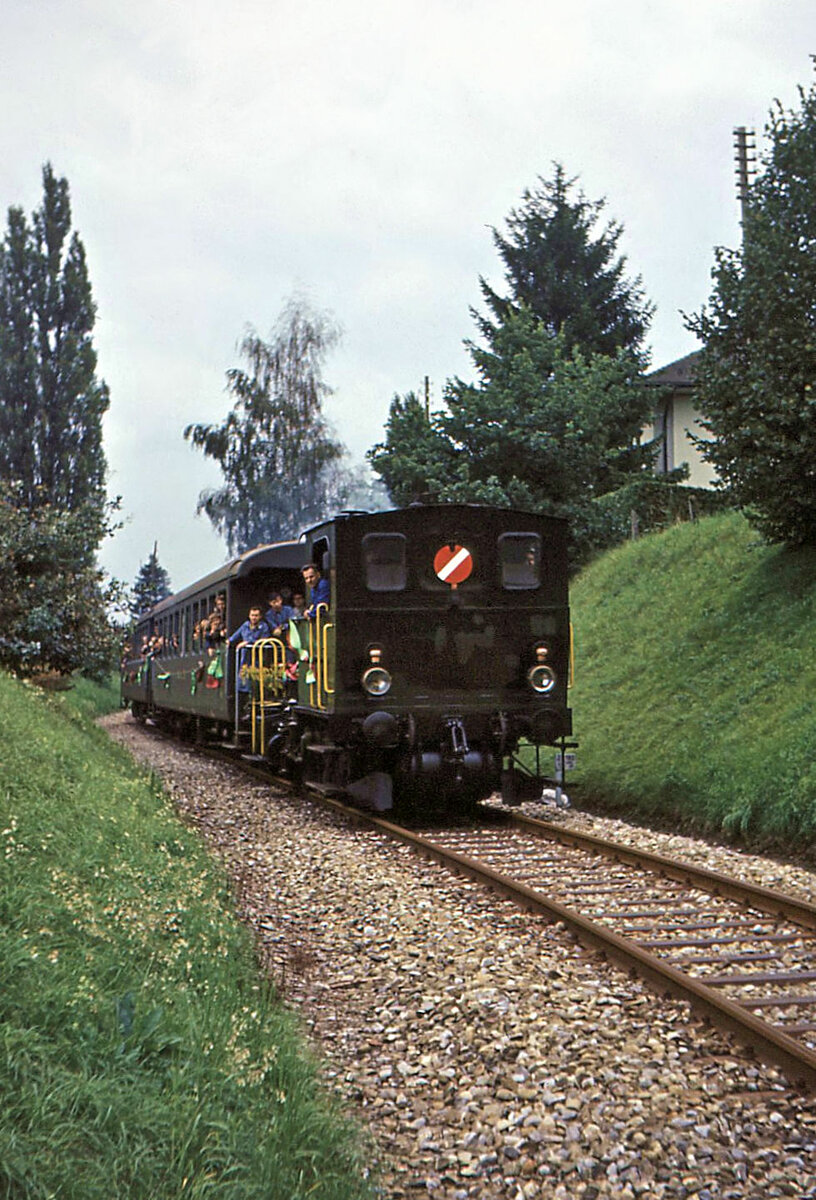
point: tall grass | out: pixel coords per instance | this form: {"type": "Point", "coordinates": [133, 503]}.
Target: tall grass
{"type": "Point", "coordinates": [140, 1054]}
{"type": "Point", "coordinates": [694, 698]}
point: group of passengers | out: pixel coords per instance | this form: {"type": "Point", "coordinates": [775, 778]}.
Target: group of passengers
{"type": "Point", "coordinates": [154, 643]}
{"type": "Point", "coordinates": [284, 606]}
{"type": "Point", "coordinates": [211, 630]}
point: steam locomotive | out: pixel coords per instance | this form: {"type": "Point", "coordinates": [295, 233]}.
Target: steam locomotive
{"type": "Point", "coordinates": [436, 670]}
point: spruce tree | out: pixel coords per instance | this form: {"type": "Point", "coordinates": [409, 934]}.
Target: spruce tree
{"type": "Point", "coordinates": [566, 272]}
{"type": "Point", "coordinates": [151, 585]}
{"type": "Point", "coordinates": [553, 421]}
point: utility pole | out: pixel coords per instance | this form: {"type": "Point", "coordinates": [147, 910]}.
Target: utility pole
{"type": "Point", "coordinates": [427, 398]}
{"type": "Point", "coordinates": [745, 158]}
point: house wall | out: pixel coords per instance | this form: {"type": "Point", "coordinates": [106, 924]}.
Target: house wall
{"type": "Point", "coordinates": [684, 418]}
{"type": "Point", "coordinates": [671, 425]}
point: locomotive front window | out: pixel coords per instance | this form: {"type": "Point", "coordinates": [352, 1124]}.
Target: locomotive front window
{"type": "Point", "coordinates": [520, 559]}
{"type": "Point", "coordinates": [385, 562]}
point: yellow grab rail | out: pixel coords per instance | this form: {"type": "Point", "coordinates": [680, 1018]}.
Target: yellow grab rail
{"type": "Point", "coordinates": [325, 649]}
{"type": "Point", "coordinates": [318, 650]}
{"type": "Point", "coordinates": [262, 675]}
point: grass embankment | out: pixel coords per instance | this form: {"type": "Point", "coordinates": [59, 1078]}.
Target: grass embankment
{"type": "Point", "coordinates": [141, 1055]}
{"type": "Point", "coordinates": [695, 697]}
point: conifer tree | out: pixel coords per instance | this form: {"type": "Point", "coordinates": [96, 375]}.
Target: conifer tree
{"type": "Point", "coordinates": [151, 585]}
{"type": "Point", "coordinates": [554, 419]}
{"type": "Point", "coordinates": [566, 272]}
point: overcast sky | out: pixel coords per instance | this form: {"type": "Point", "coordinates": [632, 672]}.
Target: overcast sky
{"type": "Point", "coordinates": [223, 156]}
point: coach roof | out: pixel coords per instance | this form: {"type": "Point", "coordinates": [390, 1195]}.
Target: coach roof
{"type": "Point", "coordinates": [286, 555]}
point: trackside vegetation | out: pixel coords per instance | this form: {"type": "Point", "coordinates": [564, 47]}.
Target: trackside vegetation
{"type": "Point", "coordinates": [696, 673]}
{"type": "Point", "coordinates": [141, 1055]}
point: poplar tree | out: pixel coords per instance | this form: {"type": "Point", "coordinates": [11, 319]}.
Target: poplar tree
{"type": "Point", "coordinates": [53, 509]}
{"type": "Point", "coordinates": [51, 402]}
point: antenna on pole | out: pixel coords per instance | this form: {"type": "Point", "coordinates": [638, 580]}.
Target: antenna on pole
{"type": "Point", "coordinates": [745, 158]}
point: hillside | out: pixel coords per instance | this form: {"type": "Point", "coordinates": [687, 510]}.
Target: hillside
{"type": "Point", "coordinates": [144, 1056]}
{"type": "Point", "coordinates": [695, 683]}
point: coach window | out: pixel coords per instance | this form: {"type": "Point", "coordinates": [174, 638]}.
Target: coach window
{"type": "Point", "coordinates": [520, 559]}
{"type": "Point", "coordinates": [385, 562]}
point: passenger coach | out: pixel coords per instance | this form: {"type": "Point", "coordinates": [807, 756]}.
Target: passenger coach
{"type": "Point", "coordinates": [444, 645]}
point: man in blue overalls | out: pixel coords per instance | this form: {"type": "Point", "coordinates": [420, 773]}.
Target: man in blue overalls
{"type": "Point", "coordinates": [252, 630]}
{"type": "Point", "coordinates": [319, 590]}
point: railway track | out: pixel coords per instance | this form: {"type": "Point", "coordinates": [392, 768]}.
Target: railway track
{"type": "Point", "coordinates": [743, 956]}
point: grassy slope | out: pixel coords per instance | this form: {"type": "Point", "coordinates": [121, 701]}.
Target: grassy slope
{"type": "Point", "coordinates": [695, 696]}
{"type": "Point", "coordinates": [139, 1054]}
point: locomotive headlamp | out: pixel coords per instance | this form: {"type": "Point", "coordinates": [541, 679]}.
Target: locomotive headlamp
{"type": "Point", "coordinates": [376, 680]}
{"type": "Point", "coordinates": [541, 677]}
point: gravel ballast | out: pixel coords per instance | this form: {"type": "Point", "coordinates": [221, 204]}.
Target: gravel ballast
{"type": "Point", "coordinates": [488, 1054]}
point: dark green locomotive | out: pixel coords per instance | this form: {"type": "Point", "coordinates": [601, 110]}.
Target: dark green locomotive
{"type": "Point", "coordinates": [444, 645]}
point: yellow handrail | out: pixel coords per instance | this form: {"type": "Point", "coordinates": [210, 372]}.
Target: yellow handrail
{"type": "Point", "coordinates": [317, 658]}
{"type": "Point", "coordinates": [309, 667]}
{"type": "Point", "coordinates": [329, 625]}
{"type": "Point", "coordinates": [275, 673]}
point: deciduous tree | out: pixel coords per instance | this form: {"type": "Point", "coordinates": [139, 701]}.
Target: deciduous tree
{"type": "Point", "coordinates": [53, 509]}
{"type": "Point", "coordinates": [53, 598]}
{"type": "Point", "coordinates": [282, 467]}
{"type": "Point", "coordinates": [756, 380]}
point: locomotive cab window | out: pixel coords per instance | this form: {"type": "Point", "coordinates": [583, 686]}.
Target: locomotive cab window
{"type": "Point", "coordinates": [520, 560]}
{"type": "Point", "coordinates": [385, 562]}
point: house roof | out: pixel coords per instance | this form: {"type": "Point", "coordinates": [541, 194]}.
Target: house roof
{"type": "Point", "coordinates": [678, 374]}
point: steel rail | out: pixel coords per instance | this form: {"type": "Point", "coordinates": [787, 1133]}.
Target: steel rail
{"type": "Point", "coordinates": [777, 903]}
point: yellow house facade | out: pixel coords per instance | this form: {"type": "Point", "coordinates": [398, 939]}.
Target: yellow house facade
{"type": "Point", "coordinates": [676, 419]}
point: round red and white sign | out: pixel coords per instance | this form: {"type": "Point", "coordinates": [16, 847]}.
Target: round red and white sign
{"type": "Point", "coordinates": [453, 564]}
